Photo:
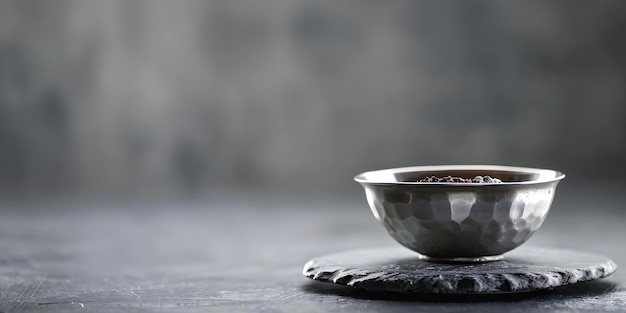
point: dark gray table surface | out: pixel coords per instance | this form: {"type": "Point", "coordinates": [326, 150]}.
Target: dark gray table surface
{"type": "Point", "coordinates": [244, 252]}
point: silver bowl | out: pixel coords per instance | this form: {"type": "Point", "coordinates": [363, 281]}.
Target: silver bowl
{"type": "Point", "coordinates": [460, 222]}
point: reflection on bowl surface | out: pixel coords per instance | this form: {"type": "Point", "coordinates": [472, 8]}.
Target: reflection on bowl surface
{"type": "Point", "coordinates": [460, 221]}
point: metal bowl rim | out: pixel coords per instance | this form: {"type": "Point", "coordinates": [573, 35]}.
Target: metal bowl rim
{"type": "Point", "coordinates": [556, 175]}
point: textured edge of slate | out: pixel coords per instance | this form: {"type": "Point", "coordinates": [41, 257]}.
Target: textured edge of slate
{"type": "Point", "coordinates": [448, 282]}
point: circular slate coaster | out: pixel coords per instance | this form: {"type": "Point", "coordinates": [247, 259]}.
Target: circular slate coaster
{"type": "Point", "coordinates": [401, 270]}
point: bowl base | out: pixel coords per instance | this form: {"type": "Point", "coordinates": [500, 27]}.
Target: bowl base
{"type": "Point", "coordinates": [479, 259]}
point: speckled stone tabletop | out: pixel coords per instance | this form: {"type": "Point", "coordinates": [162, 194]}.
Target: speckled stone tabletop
{"type": "Point", "coordinates": [234, 252]}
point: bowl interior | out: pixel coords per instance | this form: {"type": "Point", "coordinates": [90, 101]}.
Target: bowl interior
{"type": "Point", "coordinates": [411, 175]}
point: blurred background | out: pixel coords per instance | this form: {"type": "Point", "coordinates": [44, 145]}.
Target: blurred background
{"type": "Point", "coordinates": [126, 98]}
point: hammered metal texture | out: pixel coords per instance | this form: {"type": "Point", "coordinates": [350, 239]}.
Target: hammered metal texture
{"type": "Point", "coordinates": [461, 221]}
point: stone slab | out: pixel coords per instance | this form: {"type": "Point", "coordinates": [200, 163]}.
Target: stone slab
{"type": "Point", "coordinates": [401, 270]}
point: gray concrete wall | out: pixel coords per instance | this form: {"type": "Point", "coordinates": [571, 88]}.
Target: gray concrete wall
{"type": "Point", "coordinates": [113, 97]}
